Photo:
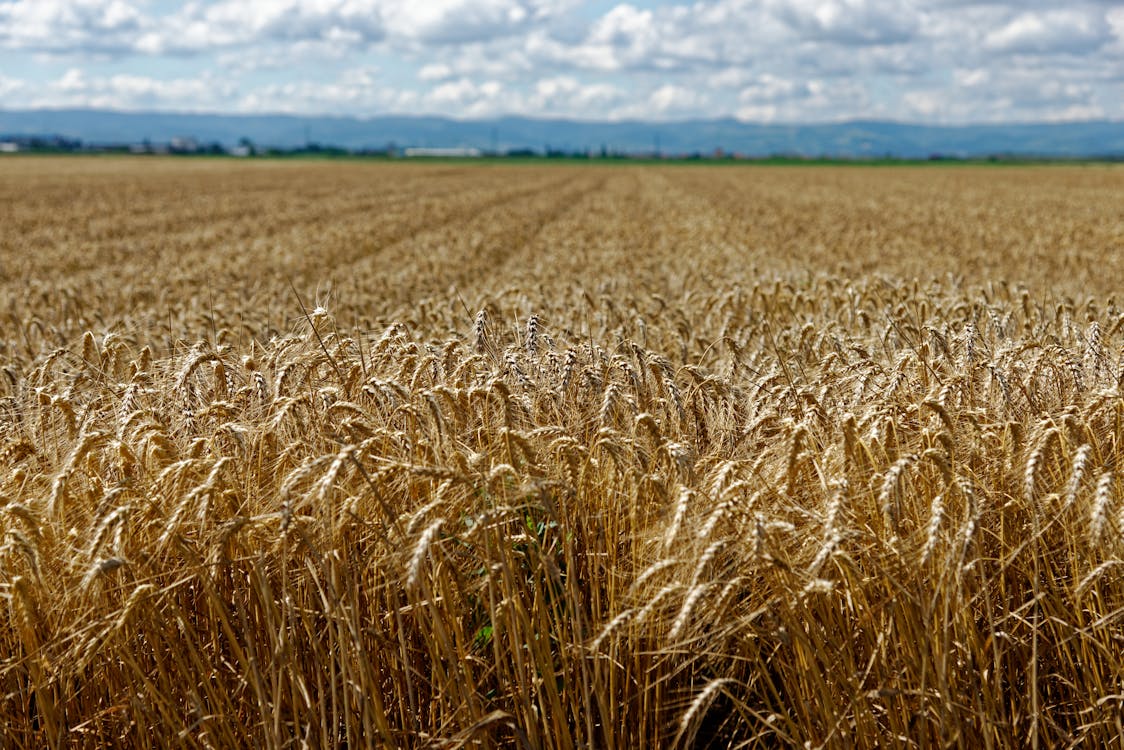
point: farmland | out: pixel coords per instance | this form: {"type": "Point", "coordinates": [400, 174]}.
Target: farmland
{"type": "Point", "coordinates": [450, 455]}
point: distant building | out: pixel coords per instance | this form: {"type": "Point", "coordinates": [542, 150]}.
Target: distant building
{"type": "Point", "coordinates": [445, 152]}
{"type": "Point", "coordinates": [184, 145]}
{"type": "Point", "coordinates": [9, 147]}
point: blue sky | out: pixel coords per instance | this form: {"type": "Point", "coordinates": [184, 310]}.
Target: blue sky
{"type": "Point", "coordinates": [940, 61]}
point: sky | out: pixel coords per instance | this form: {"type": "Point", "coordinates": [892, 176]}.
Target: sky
{"type": "Point", "coordinates": [927, 61]}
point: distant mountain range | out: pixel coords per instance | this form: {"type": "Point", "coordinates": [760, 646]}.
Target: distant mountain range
{"type": "Point", "coordinates": [1101, 138]}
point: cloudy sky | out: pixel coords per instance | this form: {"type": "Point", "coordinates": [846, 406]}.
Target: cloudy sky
{"type": "Point", "coordinates": [761, 60]}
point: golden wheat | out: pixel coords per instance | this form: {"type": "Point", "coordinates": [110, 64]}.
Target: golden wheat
{"type": "Point", "coordinates": [346, 455]}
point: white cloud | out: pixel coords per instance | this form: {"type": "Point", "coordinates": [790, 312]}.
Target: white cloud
{"type": "Point", "coordinates": [1029, 90]}
{"type": "Point", "coordinates": [707, 35]}
{"type": "Point", "coordinates": [504, 60]}
{"type": "Point", "coordinates": [237, 23]}
{"type": "Point", "coordinates": [757, 113]}
{"type": "Point", "coordinates": [127, 91]}
{"type": "Point", "coordinates": [282, 57]}
{"type": "Point", "coordinates": [1009, 94]}
{"type": "Point", "coordinates": [11, 86]}
{"type": "Point", "coordinates": [769, 88]}
{"type": "Point", "coordinates": [757, 59]}
{"type": "Point", "coordinates": [467, 98]}
{"type": "Point", "coordinates": [566, 95]}
{"type": "Point", "coordinates": [94, 26]}
{"type": "Point", "coordinates": [927, 104]}
{"type": "Point", "coordinates": [849, 21]}
{"type": "Point", "coordinates": [1063, 31]}
{"type": "Point", "coordinates": [435, 72]}
{"type": "Point", "coordinates": [460, 21]}
{"type": "Point", "coordinates": [671, 99]}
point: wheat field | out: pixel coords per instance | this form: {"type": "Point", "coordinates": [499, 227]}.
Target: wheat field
{"type": "Point", "coordinates": [317, 454]}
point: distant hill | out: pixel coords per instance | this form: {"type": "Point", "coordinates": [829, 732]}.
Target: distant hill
{"type": "Point", "coordinates": [847, 139]}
